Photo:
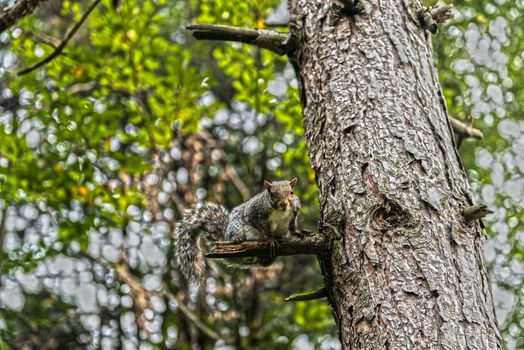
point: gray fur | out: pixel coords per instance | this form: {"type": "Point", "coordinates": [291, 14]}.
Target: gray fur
{"type": "Point", "coordinates": [208, 219]}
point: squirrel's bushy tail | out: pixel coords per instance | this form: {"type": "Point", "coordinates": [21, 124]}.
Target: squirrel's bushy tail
{"type": "Point", "coordinates": [208, 219]}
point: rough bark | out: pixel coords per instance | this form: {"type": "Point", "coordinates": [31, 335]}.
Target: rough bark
{"type": "Point", "coordinates": [408, 271]}
{"type": "Point", "coordinates": [9, 15]}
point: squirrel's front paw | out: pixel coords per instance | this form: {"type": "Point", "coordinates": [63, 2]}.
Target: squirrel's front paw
{"type": "Point", "coordinates": [273, 245]}
{"type": "Point", "coordinates": [237, 240]}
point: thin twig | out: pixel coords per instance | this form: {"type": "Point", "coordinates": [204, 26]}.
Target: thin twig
{"type": "Point", "coordinates": [79, 88]}
{"type": "Point", "coordinates": [464, 129]}
{"type": "Point", "coordinates": [69, 35]}
{"type": "Point", "coordinates": [309, 295]}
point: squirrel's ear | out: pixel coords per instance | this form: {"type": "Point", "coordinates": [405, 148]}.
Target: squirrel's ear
{"type": "Point", "coordinates": [267, 185]}
{"type": "Point", "coordinates": [293, 182]}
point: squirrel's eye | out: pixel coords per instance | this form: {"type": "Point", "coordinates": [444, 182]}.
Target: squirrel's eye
{"type": "Point", "coordinates": [291, 192]}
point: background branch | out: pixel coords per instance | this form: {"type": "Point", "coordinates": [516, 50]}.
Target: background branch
{"type": "Point", "coordinates": [190, 316]}
{"type": "Point", "coordinates": [141, 298]}
{"type": "Point", "coordinates": [46, 39]}
{"type": "Point", "coordinates": [69, 35]}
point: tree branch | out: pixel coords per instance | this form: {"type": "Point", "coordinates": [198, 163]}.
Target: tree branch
{"type": "Point", "coordinates": [232, 175]}
{"type": "Point", "coordinates": [476, 212]}
{"type": "Point", "coordinates": [46, 39]}
{"type": "Point", "coordinates": [69, 35]}
{"type": "Point", "coordinates": [441, 13]}
{"type": "Point", "coordinates": [464, 129]}
{"type": "Point", "coordinates": [10, 14]}
{"type": "Point", "coordinates": [266, 39]}
{"type": "Point", "coordinates": [310, 295]}
{"type": "Point", "coordinates": [229, 170]}
{"type": "Point", "coordinates": [314, 244]}
{"type": "Point", "coordinates": [430, 17]}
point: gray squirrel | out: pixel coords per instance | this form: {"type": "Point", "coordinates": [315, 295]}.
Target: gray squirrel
{"type": "Point", "coordinates": [269, 215]}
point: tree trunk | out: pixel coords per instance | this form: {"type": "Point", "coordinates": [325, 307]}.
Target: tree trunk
{"type": "Point", "coordinates": [407, 271]}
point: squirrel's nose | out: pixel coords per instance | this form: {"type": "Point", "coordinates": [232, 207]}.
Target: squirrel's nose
{"type": "Point", "coordinates": [283, 205]}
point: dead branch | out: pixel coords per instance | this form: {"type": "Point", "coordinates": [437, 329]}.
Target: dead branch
{"type": "Point", "coordinates": [464, 129]}
{"type": "Point", "coordinates": [441, 13]}
{"type": "Point", "coordinates": [430, 17]}
{"type": "Point", "coordinates": [476, 212]}
{"type": "Point", "coordinates": [309, 295]}
{"type": "Point", "coordinates": [266, 39]}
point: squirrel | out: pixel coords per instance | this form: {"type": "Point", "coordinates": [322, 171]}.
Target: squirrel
{"type": "Point", "coordinates": [269, 215]}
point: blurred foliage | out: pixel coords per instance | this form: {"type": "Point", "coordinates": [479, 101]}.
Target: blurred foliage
{"type": "Point", "coordinates": [104, 147]}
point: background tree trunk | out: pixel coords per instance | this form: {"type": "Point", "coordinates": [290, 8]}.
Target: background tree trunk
{"type": "Point", "coordinates": [10, 14]}
{"type": "Point", "coordinates": [407, 271]}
